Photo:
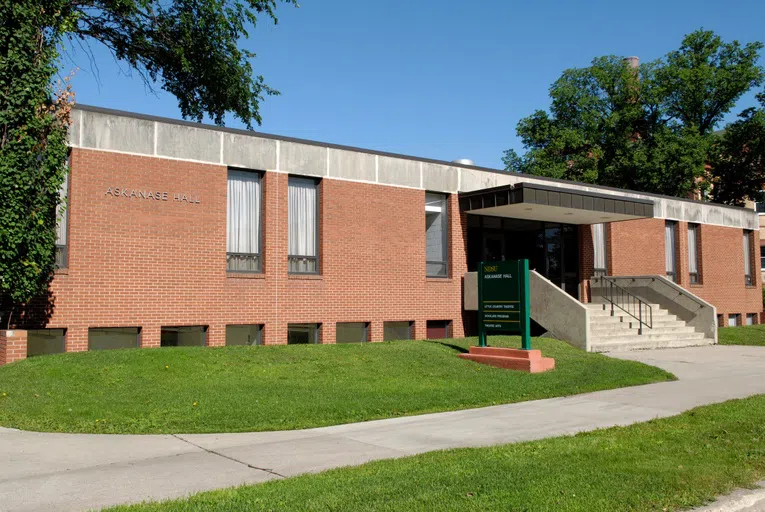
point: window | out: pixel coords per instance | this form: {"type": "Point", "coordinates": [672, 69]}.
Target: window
{"type": "Point", "coordinates": [351, 332]}
{"type": "Point", "coordinates": [62, 225]}
{"type": "Point", "coordinates": [397, 330]}
{"type": "Point", "coordinates": [438, 329]}
{"type": "Point", "coordinates": [670, 252]}
{"type": "Point", "coordinates": [599, 254]}
{"type": "Point", "coordinates": [42, 342]}
{"type": "Point", "coordinates": [759, 202]}
{"type": "Point", "coordinates": [187, 336]}
{"type": "Point", "coordinates": [748, 256]}
{"type": "Point", "coordinates": [244, 335]}
{"type": "Point", "coordinates": [107, 338]}
{"type": "Point", "coordinates": [751, 318]}
{"type": "Point", "coordinates": [694, 253]}
{"type": "Point", "coordinates": [436, 230]}
{"type": "Point", "coordinates": [303, 226]}
{"type": "Point", "coordinates": [762, 257]}
{"type": "Point", "coordinates": [302, 334]}
{"type": "Point", "coordinates": [243, 219]}
{"type": "Point", "coordinates": [719, 321]}
{"type": "Point", "coordinates": [734, 320]}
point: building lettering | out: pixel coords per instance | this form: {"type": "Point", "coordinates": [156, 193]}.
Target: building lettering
{"type": "Point", "coordinates": [155, 195]}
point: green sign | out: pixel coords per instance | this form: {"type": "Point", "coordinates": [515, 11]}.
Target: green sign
{"type": "Point", "coordinates": [503, 300]}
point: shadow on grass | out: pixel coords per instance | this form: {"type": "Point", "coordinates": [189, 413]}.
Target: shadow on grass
{"type": "Point", "coordinates": [456, 348]}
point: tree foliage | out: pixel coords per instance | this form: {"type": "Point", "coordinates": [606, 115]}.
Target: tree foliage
{"type": "Point", "coordinates": [737, 158]}
{"type": "Point", "coordinates": [190, 48]}
{"type": "Point", "coordinates": [647, 128]}
{"type": "Point", "coordinates": [33, 147]}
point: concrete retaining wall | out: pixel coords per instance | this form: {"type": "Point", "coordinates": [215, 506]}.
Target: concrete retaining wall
{"type": "Point", "coordinates": [563, 316]}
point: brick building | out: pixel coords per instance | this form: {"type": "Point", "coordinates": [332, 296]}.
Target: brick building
{"type": "Point", "coordinates": [182, 234]}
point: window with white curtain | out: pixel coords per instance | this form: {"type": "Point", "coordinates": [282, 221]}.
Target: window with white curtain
{"type": "Point", "coordinates": [694, 253]}
{"type": "Point", "coordinates": [599, 254]}
{"type": "Point", "coordinates": [303, 226]}
{"type": "Point", "coordinates": [748, 278]}
{"type": "Point", "coordinates": [436, 229]}
{"type": "Point", "coordinates": [62, 225]}
{"type": "Point", "coordinates": [670, 250]}
{"type": "Point", "coordinates": [243, 217]}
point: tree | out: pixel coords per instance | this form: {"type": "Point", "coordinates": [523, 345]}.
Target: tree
{"type": "Point", "coordinates": [737, 158]}
{"type": "Point", "coordinates": [190, 48]}
{"type": "Point", "coordinates": [645, 128]}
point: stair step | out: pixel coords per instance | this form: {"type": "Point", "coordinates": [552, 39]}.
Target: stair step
{"type": "Point", "coordinates": [657, 318]}
{"type": "Point", "coordinates": [627, 346]}
{"type": "Point", "coordinates": [626, 327]}
{"type": "Point", "coordinates": [647, 337]}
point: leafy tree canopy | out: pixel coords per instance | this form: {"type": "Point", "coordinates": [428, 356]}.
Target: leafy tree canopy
{"type": "Point", "coordinates": [191, 48]}
{"type": "Point", "coordinates": [646, 128]}
{"type": "Point", "coordinates": [737, 158]}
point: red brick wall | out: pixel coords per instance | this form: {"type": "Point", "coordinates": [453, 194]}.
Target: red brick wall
{"type": "Point", "coordinates": [637, 248]}
{"type": "Point", "coordinates": [145, 263]}
{"type": "Point", "coordinates": [13, 346]}
{"type": "Point", "coordinates": [148, 263]}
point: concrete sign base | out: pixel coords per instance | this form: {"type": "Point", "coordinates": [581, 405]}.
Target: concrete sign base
{"type": "Point", "coordinates": [530, 361]}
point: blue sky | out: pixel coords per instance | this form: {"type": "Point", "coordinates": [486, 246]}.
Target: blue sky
{"type": "Point", "coordinates": [442, 79]}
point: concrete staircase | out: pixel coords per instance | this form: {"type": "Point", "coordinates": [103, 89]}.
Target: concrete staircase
{"type": "Point", "coordinates": [619, 333]}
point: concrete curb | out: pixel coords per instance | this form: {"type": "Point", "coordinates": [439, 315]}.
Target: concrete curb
{"type": "Point", "coordinates": [742, 500]}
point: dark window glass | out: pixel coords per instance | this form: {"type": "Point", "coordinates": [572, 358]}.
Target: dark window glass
{"type": "Point", "coordinates": [436, 231]}
{"type": "Point", "coordinates": [42, 342]}
{"type": "Point", "coordinates": [302, 334]}
{"type": "Point", "coordinates": [748, 257]}
{"type": "Point", "coordinates": [244, 334]}
{"type": "Point", "coordinates": [186, 336]}
{"type": "Point", "coordinates": [397, 331]}
{"type": "Point", "coordinates": [351, 332]}
{"type": "Point", "coordinates": [62, 225]}
{"type": "Point", "coordinates": [107, 338]}
{"type": "Point", "coordinates": [438, 329]}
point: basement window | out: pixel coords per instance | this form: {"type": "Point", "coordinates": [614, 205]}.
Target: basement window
{"type": "Point", "coordinates": [351, 332]}
{"type": "Point", "coordinates": [186, 336]}
{"type": "Point", "coordinates": [302, 334]}
{"type": "Point", "coordinates": [41, 342]}
{"type": "Point", "coordinates": [109, 338]}
{"type": "Point", "coordinates": [397, 330]}
{"type": "Point", "coordinates": [241, 335]}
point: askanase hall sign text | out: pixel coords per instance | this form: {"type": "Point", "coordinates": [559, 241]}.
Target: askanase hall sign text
{"type": "Point", "coordinates": [130, 193]}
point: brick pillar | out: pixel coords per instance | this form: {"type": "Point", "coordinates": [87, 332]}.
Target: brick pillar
{"type": "Point", "coordinates": [13, 346]}
{"type": "Point", "coordinates": [216, 335]}
{"type": "Point", "coordinates": [77, 339]}
{"type": "Point", "coordinates": [150, 336]}
{"type": "Point", "coordinates": [681, 246]}
{"type": "Point", "coordinates": [328, 333]}
{"type": "Point", "coordinates": [376, 331]}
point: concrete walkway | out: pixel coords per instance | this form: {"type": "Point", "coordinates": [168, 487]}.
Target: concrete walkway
{"type": "Point", "coordinates": [40, 471]}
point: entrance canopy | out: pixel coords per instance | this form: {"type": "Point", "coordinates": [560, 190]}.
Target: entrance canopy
{"type": "Point", "coordinates": [553, 204]}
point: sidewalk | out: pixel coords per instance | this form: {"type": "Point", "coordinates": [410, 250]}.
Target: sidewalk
{"type": "Point", "coordinates": [42, 471]}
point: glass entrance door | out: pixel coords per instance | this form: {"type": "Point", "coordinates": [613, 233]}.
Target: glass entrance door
{"type": "Point", "coordinates": [551, 248]}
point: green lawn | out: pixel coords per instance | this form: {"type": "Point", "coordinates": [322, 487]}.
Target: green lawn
{"type": "Point", "coordinates": [239, 389]}
{"type": "Point", "coordinates": [745, 335]}
{"type": "Point", "coordinates": [665, 464]}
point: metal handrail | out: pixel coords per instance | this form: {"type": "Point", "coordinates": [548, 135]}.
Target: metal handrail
{"type": "Point", "coordinates": [627, 302]}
